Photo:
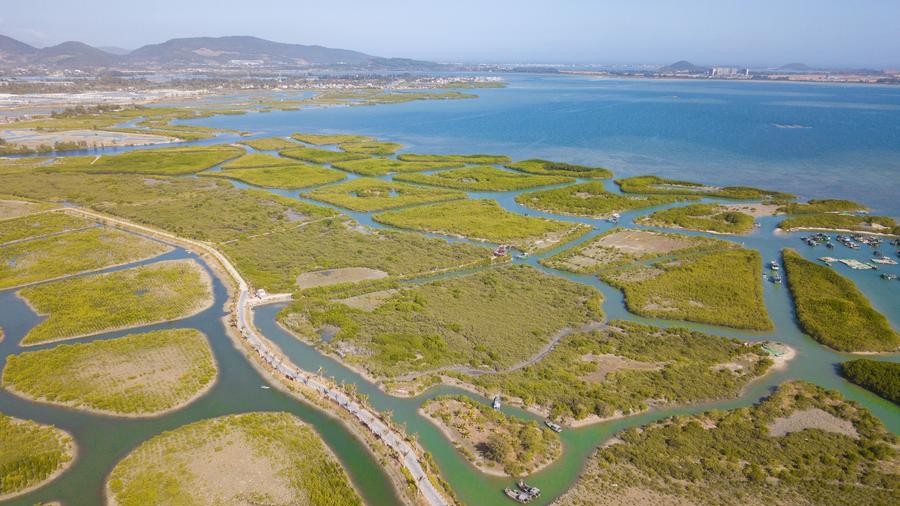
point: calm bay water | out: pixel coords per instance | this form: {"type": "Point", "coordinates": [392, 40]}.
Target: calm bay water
{"type": "Point", "coordinates": [813, 140]}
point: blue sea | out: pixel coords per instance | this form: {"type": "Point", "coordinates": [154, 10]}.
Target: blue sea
{"type": "Point", "coordinates": [814, 140]}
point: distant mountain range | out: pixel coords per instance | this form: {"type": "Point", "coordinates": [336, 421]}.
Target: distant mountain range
{"type": "Point", "coordinates": [194, 52]}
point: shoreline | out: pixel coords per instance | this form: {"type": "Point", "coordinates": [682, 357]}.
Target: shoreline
{"type": "Point", "coordinates": [780, 231]}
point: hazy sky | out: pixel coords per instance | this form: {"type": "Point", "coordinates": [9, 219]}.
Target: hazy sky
{"type": "Point", "coordinates": [833, 32]}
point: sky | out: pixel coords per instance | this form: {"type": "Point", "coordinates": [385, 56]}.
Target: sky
{"type": "Point", "coordinates": [849, 33]}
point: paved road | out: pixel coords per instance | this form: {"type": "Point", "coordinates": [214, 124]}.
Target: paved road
{"type": "Point", "coordinates": [245, 301]}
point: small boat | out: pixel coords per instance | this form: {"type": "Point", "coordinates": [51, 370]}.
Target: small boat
{"type": "Point", "coordinates": [517, 496]}
{"type": "Point", "coordinates": [264, 387]}
{"type": "Point", "coordinates": [775, 279]}
{"type": "Point", "coordinates": [888, 276]}
{"type": "Point", "coordinates": [528, 489]}
{"type": "Point", "coordinates": [829, 245]}
{"type": "Point", "coordinates": [884, 261]}
{"type": "Point", "coordinates": [555, 427]}
{"type": "Point", "coordinates": [500, 251]}
{"type": "Point", "coordinates": [496, 402]}
{"type": "Point", "coordinates": [773, 265]}
{"type": "Point", "coordinates": [522, 255]}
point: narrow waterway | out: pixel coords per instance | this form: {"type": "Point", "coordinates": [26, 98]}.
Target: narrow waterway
{"type": "Point", "coordinates": [104, 440]}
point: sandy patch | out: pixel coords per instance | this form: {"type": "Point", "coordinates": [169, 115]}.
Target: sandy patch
{"type": "Point", "coordinates": [337, 276]}
{"type": "Point", "coordinates": [632, 496]}
{"type": "Point", "coordinates": [813, 418]}
{"type": "Point", "coordinates": [16, 208]}
{"type": "Point", "coordinates": [608, 363]}
{"type": "Point", "coordinates": [755, 210]}
{"type": "Point", "coordinates": [368, 301]}
{"type": "Point", "coordinates": [230, 472]}
{"type": "Point", "coordinates": [33, 138]}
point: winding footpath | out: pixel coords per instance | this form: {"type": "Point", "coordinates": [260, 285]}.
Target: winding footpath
{"type": "Point", "coordinates": [245, 302]}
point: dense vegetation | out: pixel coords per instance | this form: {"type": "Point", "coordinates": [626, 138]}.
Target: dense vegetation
{"type": "Point", "coordinates": [703, 217]}
{"type": "Point", "coordinates": [717, 287]}
{"type": "Point", "coordinates": [588, 199]}
{"type": "Point", "coordinates": [167, 161]}
{"type": "Point", "coordinates": [833, 311]}
{"type": "Point", "coordinates": [832, 221]}
{"type": "Point", "coordinates": [120, 299]}
{"type": "Point", "coordinates": [537, 166]}
{"type": "Point", "coordinates": [367, 194]}
{"type": "Point", "coordinates": [185, 467]}
{"type": "Point", "coordinates": [61, 255]}
{"type": "Point", "coordinates": [483, 220]}
{"type": "Point", "coordinates": [139, 374]}
{"type": "Point", "coordinates": [270, 144]}
{"type": "Point", "coordinates": [492, 319]}
{"type": "Point", "coordinates": [655, 184]}
{"type": "Point", "coordinates": [383, 166]}
{"type": "Point", "coordinates": [621, 246]}
{"type": "Point", "coordinates": [315, 155]}
{"type": "Point", "coordinates": [483, 178]}
{"type": "Point", "coordinates": [624, 366]}
{"type": "Point", "coordinates": [38, 225]}
{"type": "Point", "coordinates": [822, 206]}
{"type": "Point", "coordinates": [455, 159]}
{"type": "Point", "coordinates": [370, 148]}
{"type": "Point", "coordinates": [30, 453]}
{"type": "Point", "coordinates": [253, 160]}
{"type": "Point", "coordinates": [490, 438]}
{"type": "Point", "coordinates": [326, 139]}
{"type": "Point", "coordinates": [204, 209]}
{"type": "Point", "coordinates": [880, 377]}
{"type": "Point", "coordinates": [273, 261]}
{"type": "Point", "coordinates": [288, 177]}
{"type": "Point", "coordinates": [730, 457]}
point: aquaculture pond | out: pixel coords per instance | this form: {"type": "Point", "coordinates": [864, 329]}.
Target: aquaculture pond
{"type": "Point", "coordinates": [777, 136]}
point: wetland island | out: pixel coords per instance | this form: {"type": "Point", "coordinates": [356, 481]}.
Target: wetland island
{"type": "Point", "coordinates": [312, 294]}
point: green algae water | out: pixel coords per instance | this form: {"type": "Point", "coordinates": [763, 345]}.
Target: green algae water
{"type": "Point", "coordinates": [715, 132]}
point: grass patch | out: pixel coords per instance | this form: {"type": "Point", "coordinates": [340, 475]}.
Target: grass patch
{"type": "Point", "coordinates": [270, 144]}
{"type": "Point", "coordinates": [93, 304]}
{"type": "Point", "coordinates": [315, 155]}
{"type": "Point", "coordinates": [833, 311]}
{"type": "Point", "coordinates": [493, 318]}
{"type": "Point", "coordinates": [30, 453]}
{"type": "Point", "coordinates": [376, 195]}
{"type": "Point", "coordinates": [27, 227]}
{"type": "Point", "coordinates": [589, 199]}
{"type": "Point", "coordinates": [456, 159]}
{"type": "Point", "coordinates": [703, 217]}
{"type": "Point", "coordinates": [729, 457]}
{"type": "Point", "coordinates": [620, 368]}
{"type": "Point", "coordinates": [254, 160]}
{"type": "Point", "coordinates": [483, 220]}
{"type": "Point", "coordinates": [53, 257]}
{"type": "Point", "coordinates": [619, 246]}
{"type": "Point", "coordinates": [658, 185]}
{"type": "Point", "coordinates": [139, 374]}
{"type": "Point", "coordinates": [537, 166]}
{"type": "Point", "coordinates": [483, 178]}
{"type": "Point", "coordinates": [197, 208]}
{"type": "Point", "coordinates": [822, 206]}
{"type": "Point", "coordinates": [370, 148]}
{"type": "Point", "coordinates": [489, 438]}
{"type": "Point", "coordinates": [208, 462]}
{"type": "Point", "coordinates": [717, 287]}
{"type": "Point", "coordinates": [289, 177]}
{"type": "Point", "coordinates": [882, 378]}
{"type": "Point", "coordinates": [168, 161]}
{"type": "Point", "coordinates": [328, 139]}
{"type": "Point", "coordinates": [274, 261]}
{"type": "Point", "coordinates": [383, 166]}
{"type": "Point", "coordinates": [831, 221]}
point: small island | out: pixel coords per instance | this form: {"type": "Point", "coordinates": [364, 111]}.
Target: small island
{"type": "Point", "coordinates": [31, 455]}
{"type": "Point", "coordinates": [494, 442]}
